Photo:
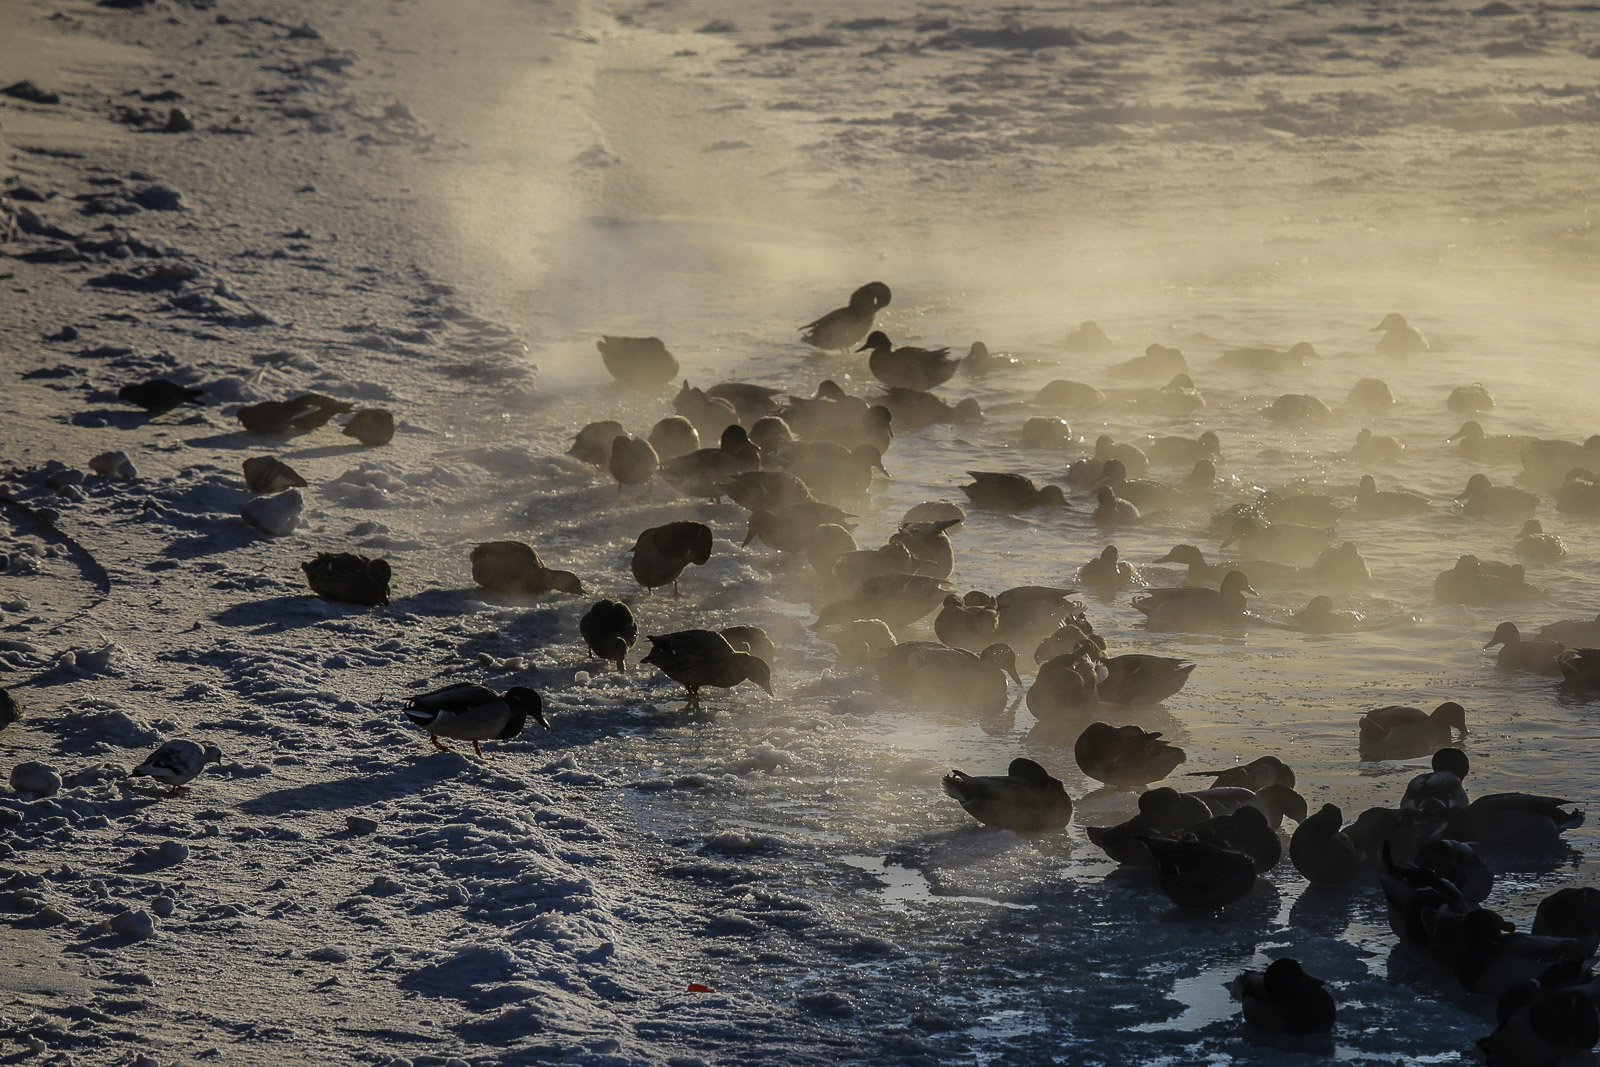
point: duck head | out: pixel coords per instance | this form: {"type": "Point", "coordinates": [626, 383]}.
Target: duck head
{"type": "Point", "coordinates": [871, 296]}
{"type": "Point", "coordinates": [755, 670]}
{"type": "Point", "coordinates": [1003, 656]}
{"type": "Point", "coordinates": [1475, 484]}
{"type": "Point", "coordinates": [1453, 761]}
{"type": "Point", "coordinates": [877, 341]}
{"type": "Point", "coordinates": [1236, 582]}
{"type": "Point", "coordinates": [1452, 714]}
{"type": "Point", "coordinates": [870, 456]}
{"type": "Point", "coordinates": [760, 523]}
{"type": "Point", "coordinates": [1186, 554]}
{"type": "Point", "coordinates": [526, 702]}
{"type": "Point", "coordinates": [1053, 496]}
{"type": "Point", "coordinates": [1470, 430]}
{"type": "Point", "coordinates": [1392, 321]}
{"type": "Point", "coordinates": [1504, 634]}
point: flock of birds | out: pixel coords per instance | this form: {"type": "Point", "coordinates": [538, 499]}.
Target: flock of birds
{"type": "Point", "coordinates": [796, 462]}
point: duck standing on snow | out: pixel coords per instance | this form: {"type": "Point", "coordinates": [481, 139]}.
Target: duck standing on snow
{"type": "Point", "coordinates": [1026, 800]}
{"type": "Point", "coordinates": [843, 327]}
{"type": "Point", "coordinates": [695, 658]}
{"type": "Point", "coordinates": [609, 629]}
{"type": "Point", "coordinates": [347, 577]}
{"type": "Point", "coordinates": [633, 461]}
{"type": "Point", "coordinates": [467, 711]}
{"type": "Point", "coordinates": [908, 367]}
{"type": "Point", "coordinates": [662, 553]}
{"type": "Point", "coordinates": [637, 361]}
{"type": "Point", "coordinates": [176, 763]}
{"type": "Point", "coordinates": [592, 443]}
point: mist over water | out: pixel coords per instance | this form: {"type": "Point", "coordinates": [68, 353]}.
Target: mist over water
{"type": "Point", "coordinates": [720, 199]}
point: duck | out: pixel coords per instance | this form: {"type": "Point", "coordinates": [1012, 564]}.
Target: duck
{"type": "Point", "coordinates": [937, 675]}
{"type": "Point", "coordinates": [1485, 582]}
{"type": "Point", "coordinates": [710, 414]}
{"type": "Point", "coordinates": [1002, 491]}
{"type": "Point", "coordinates": [1570, 912]}
{"type": "Point", "coordinates": [1416, 897]}
{"type": "Point", "coordinates": [961, 625]}
{"type": "Point", "coordinates": [1297, 408]}
{"type": "Point", "coordinates": [696, 658]}
{"type": "Point", "coordinates": [1546, 463]}
{"type": "Point", "coordinates": [1340, 566]}
{"type": "Point", "coordinates": [1480, 447]}
{"type": "Point", "coordinates": [1491, 955]}
{"type": "Point", "coordinates": [833, 470]}
{"type": "Point", "coordinates": [916, 409]}
{"type": "Point", "coordinates": [1388, 504]}
{"type": "Point", "coordinates": [633, 461]}
{"type": "Point", "coordinates": [979, 361]}
{"type": "Point", "coordinates": [771, 434]}
{"type": "Point", "coordinates": [1135, 464]}
{"type": "Point", "coordinates": [826, 411]}
{"type": "Point", "coordinates": [515, 568]}
{"type": "Point", "coordinates": [1539, 1027]}
{"type": "Point", "coordinates": [1108, 571]}
{"type": "Point", "coordinates": [1579, 494]}
{"type": "Point", "coordinates": [176, 763]}
{"type": "Point", "coordinates": [301, 414]}
{"type": "Point", "coordinates": [1521, 821]}
{"type": "Point", "coordinates": [897, 599]}
{"type": "Point", "coordinates": [1284, 999]}
{"type": "Point", "coordinates": [1375, 448]}
{"type": "Point", "coordinates": [1063, 688]}
{"type": "Point", "coordinates": [1469, 398]}
{"type": "Point", "coordinates": [1442, 785]}
{"type": "Point", "coordinates": [662, 553]}
{"type": "Point", "coordinates": [1203, 573]}
{"type": "Point", "coordinates": [1302, 509]}
{"type": "Point", "coordinates": [752, 639]}
{"type": "Point", "coordinates": [1044, 432]}
{"type": "Point", "coordinates": [674, 436]}
{"type": "Point", "coordinates": [908, 367]}
{"type": "Point", "coordinates": [861, 640]}
{"type": "Point", "coordinates": [1138, 678]}
{"type": "Point", "coordinates": [1533, 543]}
{"type": "Point", "coordinates": [1458, 864]}
{"type": "Point", "coordinates": [1182, 451]}
{"type": "Point", "coordinates": [1400, 338]}
{"type": "Point", "coordinates": [609, 629]}
{"type": "Point", "coordinates": [762, 490]}
{"type": "Point", "coordinates": [269, 474]}
{"type": "Point", "coordinates": [792, 529]}
{"type": "Point", "coordinates": [592, 444]}
{"type": "Point", "coordinates": [706, 472]}
{"type": "Point", "coordinates": [1245, 830]}
{"type": "Point", "coordinates": [1141, 491]}
{"type": "Point", "coordinates": [1503, 503]}
{"type": "Point", "coordinates": [1068, 395]}
{"type": "Point", "coordinates": [1163, 812]}
{"type": "Point", "coordinates": [373, 427]}
{"type": "Point", "coordinates": [826, 543]}
{"type": "Point", "coordinates": [1112, 511]}
{"type": "Point", "coordinates": [1196, 607]}
{"type": "Point", "coordinates": [1255, 776]}
{"type": "Point", "coordinates": [850, 569]}
{"type": "Point", "coordinates": [1158, 361]}
{"type": "Point", "coordinates": [1537, 656]}
{"type": "Point", "coordinates": [1276, 801]}
{"type": "Point", "coordinates": [1073, 632]}
{"type": "Point", "coordinates": [1322, 852]}
{"type": "Point", "coordinates": [1370, 394]}
{"type": "Point", "coordinates": [750, 401]}
{"type": "Point", "coordinates": [1320, 617]}
{"type": "Point", "coordinates": [1029, 612]}
{"type": "Point", "coordinates": [1580, 669]}
{"type": "Point", "coordinates": [842, 328]}
{"type": "Point", "coordinates": [1574, 633]}
{"type": "Point", "coordinates": [467, 711]}
{"type": "Point", "coordinates": [1025, 800]}
{"type": "Point", "coordinates": [1125, 757]}
{"type": "Point", "coordinates": [1178, 397]}
{"type": "Point", "coordinates": [159, 395]}
{"type": "Point", "coordinates": [348, 578]}
{"type": "Point", "coordinates": [1281, 542]}
{"type": "Point", "coordinates": [934, 511]}
{"type": "Point", "coordinates": [1087, 336]}
{"type": "Point", "coordinates": [637, 361]}
{"type": "Point", "coordinates": [1268, 360]}
{"type": "Point", "coordinates": [1397, 732]}
{"type": "Point", "coordinates": [1198, 876]}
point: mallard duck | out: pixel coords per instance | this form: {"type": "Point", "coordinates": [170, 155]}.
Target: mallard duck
{"type": "Point", "coordinates": [1370, 394]}
{"type": "Point", "coordinates": [1320, 617]}
{"type": "Point", "coordinates": [792, 529]}
{"type": "Point", "coordinates": [1297, 408]}
{"type": "Point", "coordinates": [1111, 510]}
{"type": "Point", "coordinates": [1276, 801]}
{"type": "Point", "coordinates": [674, 436]}
{"type": "Point", "coordinates": [1400, 339]}
{"type": "Point", "coordinates": [1141, 491]}
{"type": "Point", "coordinates": [592, 444]}
{"type": "Point", "coordinates": [1404, 831]}
{"type": "Point", "coordinates": [843, 327]}
{"type": "Point", "coordinates": [1201, 877]}
{"type": "Point", "coordinates": [1195, 607]}
{"type": "Point", "coordinates": [1480, 447]}
{"type": "Point", "coordinates": [1203, 573]}
{"type": "Point", "coordinates": [832, 470]}
{"type": "Point", "coordinates": [637, 361]}
{"type": "Point", "coordinates": [609, 629]}
{"type": "Point", "coordinates": [1108, 571]}
{"type": "Point", "coordinates": [1178, 397]}
{"type": "Point", "coordinates": [1182, 451]}
{"type": "Point", "coordinates": [1485, 582]}
{"type": "Point", "coordinates": [1441, 785]}
{"type": "Point", "coordinates": [1579, 494]}
{"type": "Point", "coordinates": [751, 639]}
{"type": "Point", "coordinates": [860, 640]}
{"type": "Point", "coordinates": [1158, 361]}
{"type": "Point", "coordinates": [1282, 542]}
{"type": "Point", "coordinates": [1503, 503]}
{"type": "Point", "coordinates": [269, 474]}
{"type": "Point", "coordinates": [915, 409]}
{"type": "Point", "coordinates": [1537, 656]}
{"type": "Point", "coordinates": [1375, 448]}
{"type": "Point", "coordinates": [770, 433]}
{"type": "Point", "coordinates": [710, 414]}
{"type": "Point", "coordinates": [1521, 821]}
{"type": "Point", "coordinates": [371, 426]}
{"type": "Point", "coordinates": [467, 711]}
{"type": "Point", "coordinates": [1026, 800]}
{"type": "Point", "coordinates": [908, 367]}
{"type": "Point", "coordinates": [828, 410]}
{"type": "Point", "coordinates": [301, 414]}
{"type": "Point", "coordinates": [1163, 812]}
{"type": "Point", "coordinates": [1245, 830]}
{"type": "Point", "coordinates": [767, 490]}
{"type": "Point", "coordinates": [662, 553]}
{"type": "Point", "coordinates": [1491, 955]}
{"type": "Point", "coordinates": [928, 541]}
{"type": "Point", "coordinates": [1254, 776]}
{"type": "Point", "coordinates": [1574, 633]}
{"type": "Point", "coordinates": [1063, 688]}
{"type": "Point", "coordinates": [1073, 632]}
{"type": "Point", "coordinates": [1065, 394]}
{"type": "Point", "coordinates": [1029, 612]}
{"type": "Point", "coordinates": [1545, 463]}
{"type": "Point", "coordinates": [1397, 732]}
{"type": "Point", "coordinates": [1043, 432]}
{"type": "Point", "coordinates": [1302, 509]}
{"type": "Point", "coordinates": [1125, 757]}
{"type": "Point", "coordinates": [1541, 1027]}
{"type": "Point", "coordinates": [706, 472]}
{"type": "Point", "coordinates": [1139, 678]}
{"type": "Point", "coordinates": [1390, 503]}
{"type": "Point", "coordinates": [176, 763]}
{"type": "Point", "coordinates": [1087, 337]}
{"type": "Point", "coordinates": [940, 676]}
{"type": "Point", "coordinates": [515, 568]}
{"type": "Point", "coordinates": [1533, 543]}
{"type": "Point", "coordinates": [695, 658]}
{"type": "Point", "coordinates": [1321, 850]}
{"type": "Point", "coordinates": [934, 511]}
{"type": "Point", "coordinates": [633, 461]}
{"type": "Point", "coordinates": [1415, 897]}
{"type": "Point", "coordinates": [1268, 360]}
{"type": "Point", "coordinates": [1284, 999]}
{"type": "Point", "coordinates": [1570, 912]}
{"type": "Point", "coordinates": [347, 577]}
{"type": "Point", "coordinates": [827, 543]}
{"type": "Point", "coordinates": [1469, 398]}
{"type": "Point", "coordinates": [961, 625]}
{"type": "Point", "coordinates": [159, 395]}
{"type": "Point", "coordinates": [1580, 668]}
{"type": "Point", "coordinates": [1003, 491]}
{"type": "Point", "coordinates": [1339, 567]}
{"type": "Point", "coordinates": [897, 599]}
{"type": "Point", "coordinates": [750, 401]}
{"type": "Point", "coordinates": [979, 361]}
{"type": "Point", "coordinates": [850, 569]}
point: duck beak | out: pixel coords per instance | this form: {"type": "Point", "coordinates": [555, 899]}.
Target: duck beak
{"type": "Point", "coordinates": [1165, 559]}
{"type": "Point", "coordinates": [1375, 329]}
{"type": "Point", "coordinates": [1231, 539]}
{"type": "Point", "coordinates": [748, 537]}
{"type": "Point", "coordinates": [864, 347]}
{"type": "Point", "coordinates": [539, 715]}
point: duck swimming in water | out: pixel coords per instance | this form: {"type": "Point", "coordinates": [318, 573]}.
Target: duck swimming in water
{"type": "Point", "coordinates": [1196, 607]}
{"type": "Point", "coordinates": [1537, 656]}
{"type": "Point", "coordinates": [1484, 582]}
{"type": "Point", "coordinates": [908, 367]}
{"type": "Point", "coordinates": [1505, 503]}
{"type": "Point", "coordinates": [1320, 617]}
{"type": "Point", "coordinates": [842, 328]}
{"type": "Point", "coordinates": [1533, 543]}
{"type": "Point", "coordinates": [1026, 800]}
{"type": "Point", "coordinates": [1268, 360]}
{"type": "Point", "coordinates": [1400, 338]}
{"type": "Point", "coordinates": [1469, 398]}
{"type": "Point", "coordinates": [1396, 732]}
{"type": "Point", "coordinates": [1004, 491]}
{"type": "Point", "coordinates": [1108, 571]}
